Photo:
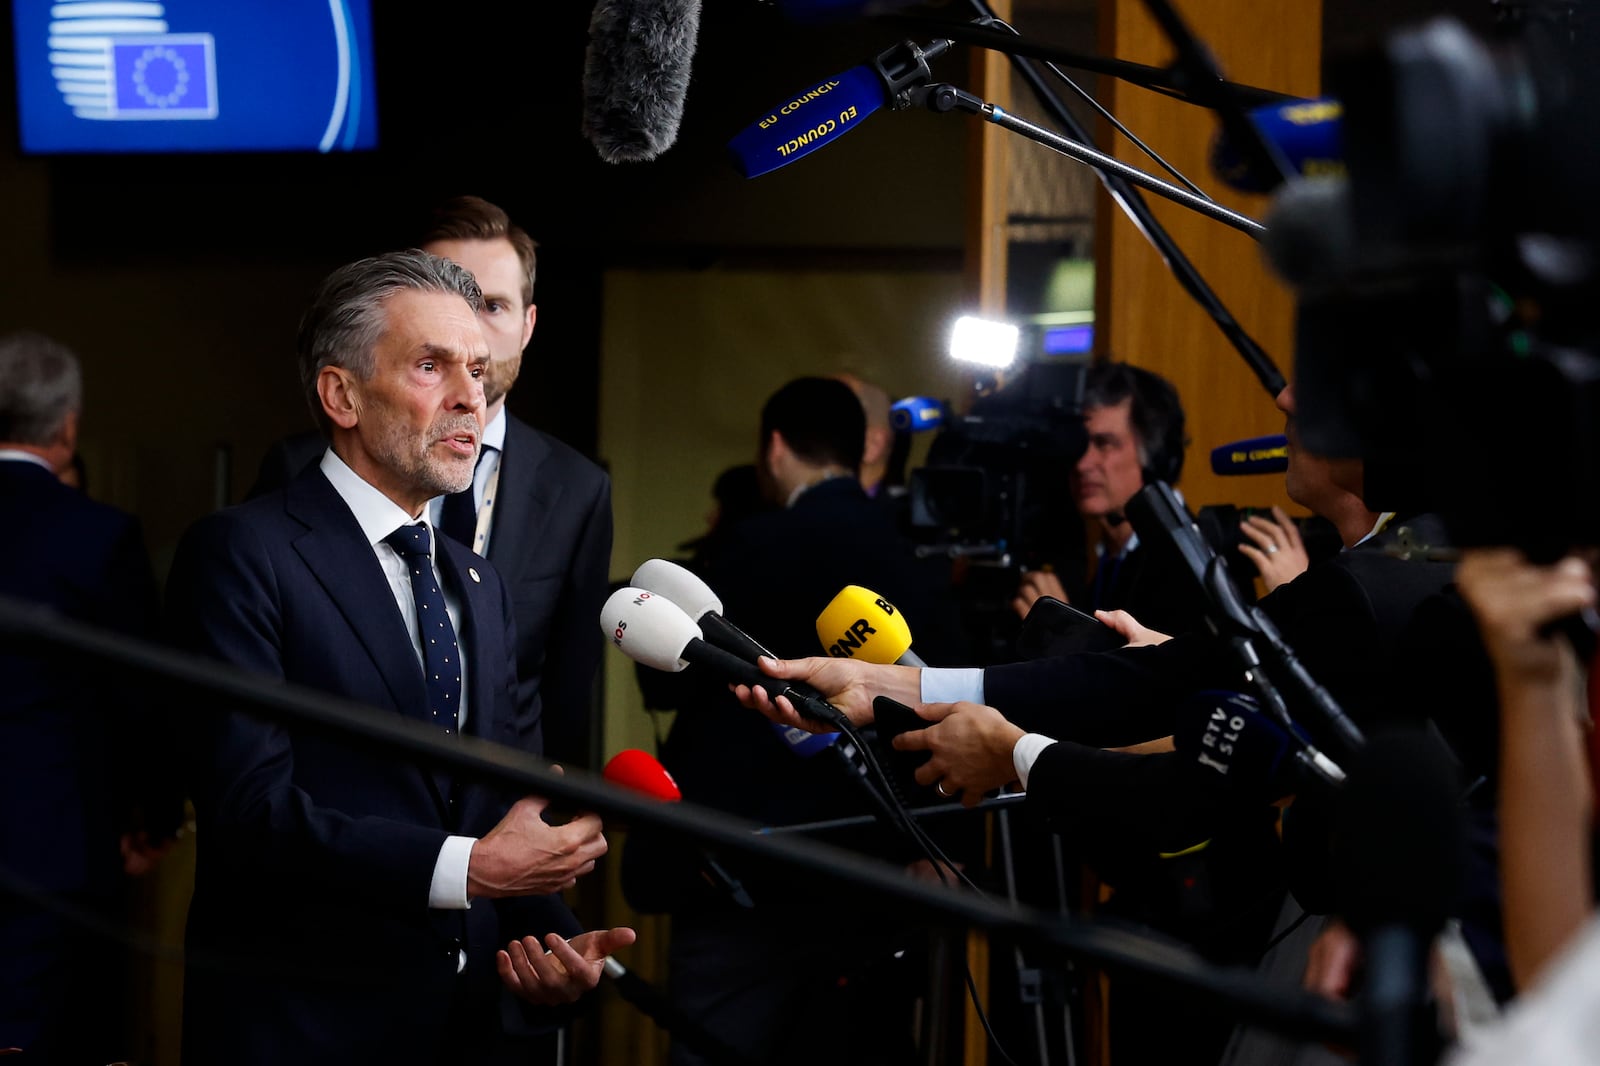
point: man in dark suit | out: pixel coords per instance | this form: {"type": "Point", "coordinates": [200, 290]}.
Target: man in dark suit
{"type": "Point", "coordinates": [334, 885]}
{"type": "Point", "coordinates": [537, 509]}
{"type": "Point", "coordinates": [85, 796]}
{"type": "Point", "coordinates": [753, 977]}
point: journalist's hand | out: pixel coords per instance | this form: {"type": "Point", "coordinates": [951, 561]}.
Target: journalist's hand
{"type": "Point", "coordinates": [1137, 636]}
{"type": "Point", "coordinates": [971, 746]}
{"type": "Point", "coordinates": [1514, 599]}
{"type": "Point", "coordinates": [848, 684]}
{"type": "Point", "coordinates": [1275, 547]}
{"type": "Point", "coordinates": [1036, 583]}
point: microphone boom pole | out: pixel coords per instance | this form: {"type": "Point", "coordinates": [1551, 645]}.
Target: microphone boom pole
{"type": "Point", "coordinates": [1134, 206]}
{"type": "Point", "coordinates": [943, 98]}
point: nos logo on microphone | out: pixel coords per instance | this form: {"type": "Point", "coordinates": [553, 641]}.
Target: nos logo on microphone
{"type": "Point", "coordinates": [622, 627]}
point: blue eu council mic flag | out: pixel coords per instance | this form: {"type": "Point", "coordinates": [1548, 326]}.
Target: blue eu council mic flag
{"type": "Point", "coordinates": [1308, 133]}
{"type": "Point", "coordinates": [815, 116]}
{"type": "Point", "coordinates": [1258, 455]}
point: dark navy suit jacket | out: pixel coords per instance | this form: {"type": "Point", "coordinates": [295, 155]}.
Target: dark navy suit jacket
{"type": "Point", "coordinates": [551, 541]}
{"type": "Point", "coordinates": [310, 937]}
{"type": "Point", "coordinates": [81, 759]}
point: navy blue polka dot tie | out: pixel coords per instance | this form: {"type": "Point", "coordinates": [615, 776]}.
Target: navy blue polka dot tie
{"type": "Point", "coordinates": [441, 657]}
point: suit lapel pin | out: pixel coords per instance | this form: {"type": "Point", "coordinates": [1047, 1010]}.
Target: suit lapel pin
{"type": "Point", "coordinates": [472, 572]}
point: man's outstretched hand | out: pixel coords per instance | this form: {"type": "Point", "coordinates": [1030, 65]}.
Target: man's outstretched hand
{"type": "Point", "coordinates": [559, 971]}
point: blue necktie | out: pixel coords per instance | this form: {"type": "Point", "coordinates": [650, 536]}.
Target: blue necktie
{"type": "Point", "coordinates": [441, 657]}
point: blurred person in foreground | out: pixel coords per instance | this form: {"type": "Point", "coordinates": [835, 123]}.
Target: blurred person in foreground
{"type": "Point", "coordinates": [88, 794]}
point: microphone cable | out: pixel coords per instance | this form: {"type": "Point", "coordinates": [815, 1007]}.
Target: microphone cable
{"type": "Point", "coordinates": [935, 855]}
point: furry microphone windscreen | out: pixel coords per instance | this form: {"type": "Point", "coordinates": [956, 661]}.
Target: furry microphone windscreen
{"type": "Point", "coordinates": [636, 75]}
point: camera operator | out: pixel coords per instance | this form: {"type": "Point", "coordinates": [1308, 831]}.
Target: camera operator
{"type": "Point", "coordinates": [1134, 423]}
{"type": "Point", "coordinates": [1546, 797]}
{"type": "Point", "coordinates": [1546, 804]}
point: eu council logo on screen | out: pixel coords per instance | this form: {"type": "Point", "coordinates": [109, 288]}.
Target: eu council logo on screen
{"type": "Point", "coordinates": [165, 77]}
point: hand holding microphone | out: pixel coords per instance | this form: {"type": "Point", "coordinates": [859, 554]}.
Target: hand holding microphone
{"type": "Point", "coordinates": [651, 629]}
{"type": "Point", "coordinates": [971, 748]}
{"type": "Point", "coordinates": [970, 744]}
{"type": "Point", "coordinates": [843, 685]}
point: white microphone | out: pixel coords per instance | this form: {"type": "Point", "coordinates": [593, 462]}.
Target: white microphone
{"type": "Point", "coordinates": [648, 629]}
{"type": "Point", "coordinates": [653, 630]}
{"type": "Point", "coordinates": [683, 587]}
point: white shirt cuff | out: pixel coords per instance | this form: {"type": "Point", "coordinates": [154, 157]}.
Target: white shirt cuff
{"type": "Point", "coordinates": [952, 686]}
{"type": "Point", "coordinates": [1025, 753]}
{"type": "Point", "coordinates": [449, 889]}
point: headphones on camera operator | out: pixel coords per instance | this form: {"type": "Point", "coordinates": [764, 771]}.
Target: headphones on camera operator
{"type": "Point", "coordinates": [1155, 415]}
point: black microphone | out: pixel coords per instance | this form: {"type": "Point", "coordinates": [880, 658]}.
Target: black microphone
{"type": "Point", "coordinates": [1226, 733]}
{"type": "Point", "coordinates": [1311, 234]}
{"type": "Point", "coordinates": [636, 75]}
{"type": "Point", "coordinates": [1164, 524]}
{"type": "Point", "coordinates": [1401, 848]}
{"type": "Point", "coordinates": [653, 630]}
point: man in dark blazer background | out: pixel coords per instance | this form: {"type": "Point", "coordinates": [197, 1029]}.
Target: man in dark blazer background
{"type": "Point", "coordinates": [537, 508]}
{"type": "Point", "coordinates": [755, 977]}
{"type": "Point", "coordinates": [86, 792]}
{"type": "Point", "coordinates": [333, 918]}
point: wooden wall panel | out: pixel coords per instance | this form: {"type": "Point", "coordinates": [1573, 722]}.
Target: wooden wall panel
{"type": "Point", "coordinates": [1143, 317]}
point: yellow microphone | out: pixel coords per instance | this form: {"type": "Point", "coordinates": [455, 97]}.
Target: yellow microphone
{"type": "Point", "coordinates": [860, 624]}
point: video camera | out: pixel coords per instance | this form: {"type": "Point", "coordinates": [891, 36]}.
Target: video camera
{"type": "Point", "coordinates": [1447, 287]}
{"type": "Point", "coordinates": [994, 486]}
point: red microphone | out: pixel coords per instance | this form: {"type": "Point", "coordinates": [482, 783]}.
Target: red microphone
{"type": "Point", "coordinates": [639, 771]}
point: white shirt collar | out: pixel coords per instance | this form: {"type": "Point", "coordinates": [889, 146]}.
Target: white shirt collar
{"type": "Point", "coordinates": [1133, 542]}
{"type": "Point", "coordinates": [377, 515]}
{"type": "Point", "coordinates": [1383, 520]}
{"type": "Point", "coordinates": [17, 455]}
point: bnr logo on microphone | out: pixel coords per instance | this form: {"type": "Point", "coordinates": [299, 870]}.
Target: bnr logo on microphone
{"type": "Point", "coordinates": [856, 635]}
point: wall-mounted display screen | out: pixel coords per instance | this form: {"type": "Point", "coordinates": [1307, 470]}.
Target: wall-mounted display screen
{"type": "Point", "coordinates": [194, 75]}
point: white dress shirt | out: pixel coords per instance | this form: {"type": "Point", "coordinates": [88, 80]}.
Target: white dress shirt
{"type": "Point", "coordinates": [378, 517]}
